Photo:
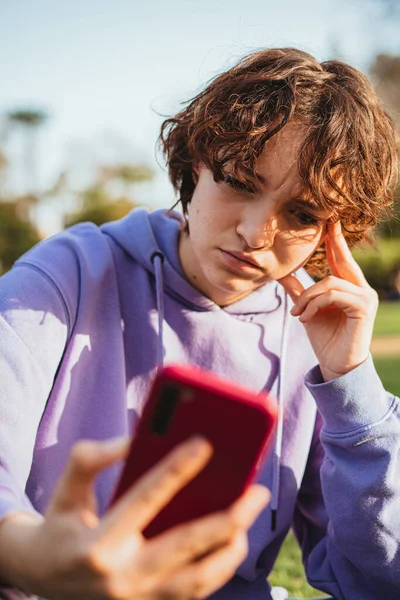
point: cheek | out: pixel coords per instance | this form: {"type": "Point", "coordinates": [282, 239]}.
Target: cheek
{"type": "Point", "coordinates": [311, 247]}
{"type": "Point", "coordinates": [208, 215]}
{"type": "Point", "coordinates": [298, 249]}
{"type": "Point", "coordinates": [200, 224]}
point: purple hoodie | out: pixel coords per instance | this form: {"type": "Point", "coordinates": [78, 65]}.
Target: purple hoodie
{"type": "Point", "coordinates": [87, 316]}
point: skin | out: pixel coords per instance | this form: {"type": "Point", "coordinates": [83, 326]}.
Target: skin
{"type": "Point", "coordinates": [101, 559]}
{"type": "Point", "coordinates": [338, 312]}
{"type": "Point", "coordinates": [276, 228]}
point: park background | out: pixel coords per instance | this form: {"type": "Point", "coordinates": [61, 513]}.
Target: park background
{"type": "Point", "coordinates": [85, 85]}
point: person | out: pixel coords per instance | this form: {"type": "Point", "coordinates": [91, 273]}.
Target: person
{"type": "Point", "coordinates": [281, 164]}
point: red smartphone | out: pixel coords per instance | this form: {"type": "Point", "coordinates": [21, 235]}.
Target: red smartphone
{"type": "Point", "coordinates": [186, 401]}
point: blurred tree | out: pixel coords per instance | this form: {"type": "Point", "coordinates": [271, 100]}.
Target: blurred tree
{"type": "Point", "coordinates": [30, 120]}
{"type": "Point", "coordinates": [385, 74]}
{"type": "Point", "coordinates": [3, 160]}
{"type": "Point", "coordinates": [3, 166]}
{"type": "Point", "coordinates": [98, 204]}
{"type": "Point", "coordinates": [98, 207]}
{"type": "Point", "coordinates": [107, 198]}
{"type": "Point", "coordinates": [127, 173]}
{"type": "Point", "coordinates": [17, 234]}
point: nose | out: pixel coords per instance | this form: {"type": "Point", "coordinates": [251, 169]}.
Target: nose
{"type": "Point", "coordinates": [258, 229]}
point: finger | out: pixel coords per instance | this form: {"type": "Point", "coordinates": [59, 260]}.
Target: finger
{"type": "Point", "coordinates": [292, 286]}
{"type": "Point", "coordinates": [138, 507]}
{"type": "Point", "coordinates": [247, 508]}
{"type": "Point", "coordinates": [87, 459]}
{"type": "Point", "coordinates": [341, 259]}
{"type": "Point", "coordinates": [353, 306]}
{"type": "Point", "coordinates": [331, 258]}
{"type": "Point", "coordinates": [186, 543]}
{"type": "Point", "coordinates": [325, 285]}
{"type": "Point", "coordinates": [209, 574]}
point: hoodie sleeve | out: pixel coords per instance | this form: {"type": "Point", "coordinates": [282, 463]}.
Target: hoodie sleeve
{"type": "Point", "coordinates": [41, 299]}
{"type": "Point", "coordinates": [347, 518]}
{"type": "Point", "coordinates": [33, 333]}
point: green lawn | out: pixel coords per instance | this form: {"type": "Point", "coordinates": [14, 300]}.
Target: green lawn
{"type": "Point", "coordinates": [388, 319]}
{"type": "Point", "coordinates": [378, 264]}
{"type": "Point", "coordinates": [288, 571]}
{"type": "Point", "coordinates": [388, 369]}
{"type": "Point", "coordinates": [386, 254]}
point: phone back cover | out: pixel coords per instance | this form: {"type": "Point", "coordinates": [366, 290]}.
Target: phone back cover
{"type": "Point", "coordinates": [238, 423]}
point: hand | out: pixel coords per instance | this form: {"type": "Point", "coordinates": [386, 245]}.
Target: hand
{"type": "Point", "coordinates": [338, 312]}
{"type": "Point", "coordinates": [72, 553]}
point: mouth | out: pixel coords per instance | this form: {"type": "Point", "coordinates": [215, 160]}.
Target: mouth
{"type": "Point", "coordinates": [243, 259]}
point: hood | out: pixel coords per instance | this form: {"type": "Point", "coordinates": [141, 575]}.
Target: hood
{"type": "Point", "coordinates": [152, 240]}
{"type": "Point", "coordinates": [142, 234]}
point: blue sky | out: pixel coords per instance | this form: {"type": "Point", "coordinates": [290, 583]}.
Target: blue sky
{"type": "Point", "coordinates": [104, 69]}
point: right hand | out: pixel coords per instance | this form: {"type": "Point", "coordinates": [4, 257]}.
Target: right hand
{"type": "Point", "coordinates": [73, 553]}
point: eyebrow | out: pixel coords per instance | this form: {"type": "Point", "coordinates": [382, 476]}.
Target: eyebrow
{"type": "Point", "coordinates": [303, 201]}
{"type": "Point", "coordinates": [308, 204]}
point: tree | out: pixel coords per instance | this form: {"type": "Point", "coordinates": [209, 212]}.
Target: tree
{"type": "Point", "coordinates": [127, 174]}
{"type": "Point", "coordinates": [98, 204]}
{"type": "Point", "coordinates": [30, 121]}
{"type": "Point", "coordinates": [3, 166]}
{"type": "Point", "coordinates": [385, 74]}
{"type": "Point", "coordinates": [98, 207]}
{"type": "Point", "coordinates": [17, 234]}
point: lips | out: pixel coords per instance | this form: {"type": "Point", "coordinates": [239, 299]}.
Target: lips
{"type": "Point", "coordinates": [244, 258]}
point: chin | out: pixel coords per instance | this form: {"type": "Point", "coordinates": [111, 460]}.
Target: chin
{"type": "Point", "coordinates": [237, 286]}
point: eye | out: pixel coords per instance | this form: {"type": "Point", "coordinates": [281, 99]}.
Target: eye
{"type": "Point", "coordinates": [304, 218]}
{"type": "Point", "coordinates": [237, 185]}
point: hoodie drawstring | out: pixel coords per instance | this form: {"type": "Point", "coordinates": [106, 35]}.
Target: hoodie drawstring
{"type": "Point", "coordinates": [277, 452]}
{"type": "Point", "coordinates": [157, 258]}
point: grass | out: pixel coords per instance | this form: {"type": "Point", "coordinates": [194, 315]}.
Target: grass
{"type": "Point", "coordinates": [388, 369]}
{"type": "Point", "coordinates": [288, 571]}
{"type": "Point", "coordinates": [388, 319]}
{"type": "Point", "coordinates": [378, 264]}
{"type": "Point", "coordinates": [387, 252]}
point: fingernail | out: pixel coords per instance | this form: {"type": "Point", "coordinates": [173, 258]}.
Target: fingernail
{"type": "Point", "coordinates": [293, 311]}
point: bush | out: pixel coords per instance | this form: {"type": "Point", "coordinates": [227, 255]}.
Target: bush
{"type": "Point", "coordinates": [378, 265]}
{"type": "Point", "coordinates": [17, 235]}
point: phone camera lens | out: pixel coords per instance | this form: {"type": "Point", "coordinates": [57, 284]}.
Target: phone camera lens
{"type": "Point", "coordinates": [164, 410]}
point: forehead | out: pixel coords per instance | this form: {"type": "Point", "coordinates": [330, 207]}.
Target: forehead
{"type": "Point", "coordinates": [278, 163]}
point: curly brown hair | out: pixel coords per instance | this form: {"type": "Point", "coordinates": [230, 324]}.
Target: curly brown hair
{"type": "Point", "coordinates": [348, 162]}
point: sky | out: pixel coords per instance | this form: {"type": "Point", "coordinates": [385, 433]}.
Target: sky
{"type": "Point", "coordinates": [106, 71]}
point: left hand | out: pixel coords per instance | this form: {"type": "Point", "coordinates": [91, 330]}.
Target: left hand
{"type": "Point", "coordinates": [339, 311]}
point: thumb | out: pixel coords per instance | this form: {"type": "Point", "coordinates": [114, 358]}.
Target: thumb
{"type": "Point", "coordinates": [75, 487]}
{"type": "Point", "coordinates": [292, 286]}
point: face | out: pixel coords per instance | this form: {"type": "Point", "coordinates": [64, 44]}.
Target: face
{"type": "Point", "coordinates": [240, 240]}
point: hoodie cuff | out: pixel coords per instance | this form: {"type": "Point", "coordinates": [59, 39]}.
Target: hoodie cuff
{"type": "Point", "coordinates": [357, 399]}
